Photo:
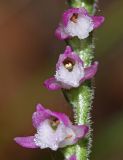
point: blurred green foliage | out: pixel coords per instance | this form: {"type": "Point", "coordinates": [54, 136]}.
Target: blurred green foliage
{"type": "Point", "coordinates": [109, 142]}
{"type": "Point", "coordinates": [112, 31]}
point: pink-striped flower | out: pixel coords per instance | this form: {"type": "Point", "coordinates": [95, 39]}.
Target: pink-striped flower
{"type": "Point", "coordinates": [70, 71]}
{"type": "Point", "coordinates": [54, 130]}
{"type": "Point", "coordinates": [77, 22]}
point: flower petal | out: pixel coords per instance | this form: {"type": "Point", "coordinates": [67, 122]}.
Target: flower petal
{"type": "Point", "coordinates": [27, 142]}
{"type": "Point", "coordinates": [47, 137]}
{"type": "Point", "coordinates": [68, 53]}
{"type": "Point", "coordinates": [68, 14]}
{"type": "Point", "coordinates": [80, 130]}
{"type": "Point", "coordinates": [70, 138]}
{"type": "Point", "coordinates": [60, 33]}
{"type": "Point", "coordinates": [98, 20]}
{"type": "Point", "coordinates": [60, 116]}
{"type": "Point", "coordinates": [39, 116]}
{"type": "Point", "coordinates": [42, 114]}
{"type": "Point", "coordinates": [73, 134]}
{"type": "Point", "coordinates": [68, 50]}
{"type": "Point", "coordinates": [90, 71]}
{"type": "Point", "coordinates": [52, 84]}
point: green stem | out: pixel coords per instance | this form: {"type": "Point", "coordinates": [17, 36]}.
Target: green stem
{"type": "Point", "coordinates": [88, 4]}
{"type": "Point", "coordinates": [81, 97]}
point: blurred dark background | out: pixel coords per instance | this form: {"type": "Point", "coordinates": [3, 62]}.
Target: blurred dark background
{"type": "Point", "coordinates": [28, 52]}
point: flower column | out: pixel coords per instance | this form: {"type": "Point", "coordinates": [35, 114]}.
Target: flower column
{"type": "Point", "coordinates": [81, 97]}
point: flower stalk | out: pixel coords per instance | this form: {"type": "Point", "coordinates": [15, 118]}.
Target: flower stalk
{"type": "Point", "coordinates": [81, 98]}
{"type": "Point", "coordinates": [74, 76]}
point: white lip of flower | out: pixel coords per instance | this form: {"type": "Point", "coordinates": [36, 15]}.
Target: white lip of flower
{"type": "Point", "coordinates": [70, 78]}
{"type": "Point", "coordinates": [47, 137]}
{"type": "Point", "coordinates": [80, 27]}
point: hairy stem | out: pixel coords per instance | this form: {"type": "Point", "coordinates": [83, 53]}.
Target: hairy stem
{"type": "Point", "coordinates": [81, 98]}
{"type": "Point", "coordinates": [88, 4]}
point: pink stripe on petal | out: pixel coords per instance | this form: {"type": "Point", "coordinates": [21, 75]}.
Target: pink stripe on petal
{"type": "Point", "coordinates": [98, 20]}
{"type": "Point", "coordinates": [60, 34]}
{"type": "Point", "coordinates": [39, 108]}
{"type": "Point", "coordinates": [68, 50]}
{"type": "Point", "coordinates": [91, 71]}
{"type": "Point", "coordinates": [39, 116]}
{"type": "Point", "coordinates": [27, 142]}
{"type": "Point", "coordinates": [52, 84]}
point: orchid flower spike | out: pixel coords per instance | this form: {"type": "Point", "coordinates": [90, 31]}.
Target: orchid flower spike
{"type": "Point", "coordinates": [54, 130]}
{"type": "Point", "coordinates": [73, 157]}
{"type": "Point", "coordinates": [70, 72]}
{"type": "Point", "coordinates": [77, 22]}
